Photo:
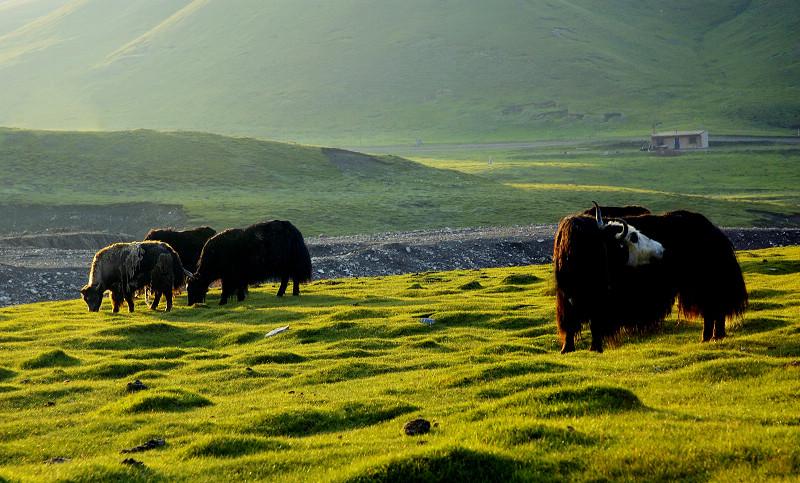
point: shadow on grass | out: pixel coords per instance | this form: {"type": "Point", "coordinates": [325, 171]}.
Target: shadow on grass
{"type": "Point", "coordinates": [465, 465]}
{"type": "Point", "coordinates": [164, 400]}
{"type": "Point", "coordinates": [346, 416]}
{"type": "Point", "coordinates": [53, 358]}
{"type": "Point", "coordinates": [149, 335]}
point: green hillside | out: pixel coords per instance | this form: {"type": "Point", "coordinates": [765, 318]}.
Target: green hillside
{"type": "Point", "coordinates": [131, 181]}
{"type": "Point", "coordinates": [350, 73]}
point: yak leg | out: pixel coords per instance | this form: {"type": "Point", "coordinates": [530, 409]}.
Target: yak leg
{"type": "Point", "coordinates": [569, 342]}
{"type": "Point", "coordinates": [168, 298]}
{"type": "Point", "coordinates": [223, 297]}
{"type": "Point", "coordinates": [565, 321]}
{"type": "Point", "coordinates": [597, 337]}
{"type": "Point", "coordinates": [295, 288]}
{"type": "Point", "coordinates": [116, 301]}
{"type": "Point", "coordinates": [129, 299]}
{"type": "Point", "coordinates": [719, 327]}
{"type": "Point", "coordinates": [156, 299]}
{"type": "Point", "coordinates": [284, 283]}
{"type": "Point", "coordinates": [708, 328]}
{"type": "Point", "coordinates": [240, 293]}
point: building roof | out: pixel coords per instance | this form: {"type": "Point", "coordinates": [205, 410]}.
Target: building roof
{"type": "Point", "coordinates": [667, 134]}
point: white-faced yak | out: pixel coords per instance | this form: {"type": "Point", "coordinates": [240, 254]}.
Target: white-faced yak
{"type": "Point", "coordinates": [124, 268]}
{"type": "Point", "coordinates": [268, 251]}
{"type": "Point", "coordinates": [612, 285]}
{"type": "Point", "coordinates": [188, 243]}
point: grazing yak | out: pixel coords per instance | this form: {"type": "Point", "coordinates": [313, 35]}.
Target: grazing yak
{"type": "Point", "coordinates": [605, 280]}
{"type": "Point", "coordinates": [124, 268]}
{"type": "Point", "coordinates": [188, 243]}
{"type": "Point", "coordinates": [272, 250]}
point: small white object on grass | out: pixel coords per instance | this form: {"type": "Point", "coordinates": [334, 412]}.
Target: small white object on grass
{"type": "Point", "coordinates": [276, 331]}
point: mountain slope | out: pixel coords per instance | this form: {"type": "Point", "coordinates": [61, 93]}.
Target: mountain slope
{"type": "Point", "coordinates": [370, 72]}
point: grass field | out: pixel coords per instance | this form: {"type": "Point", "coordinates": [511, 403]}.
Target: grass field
{"type": "Point", "coordinates": [327, 399]}
{"type": "Point", "coordinates": [231, 181]}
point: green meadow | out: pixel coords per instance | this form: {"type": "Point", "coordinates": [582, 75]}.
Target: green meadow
{"type": "Point", "coordinates": [327, 399]}
{"type": "Point", "coordinates": [229, 181]}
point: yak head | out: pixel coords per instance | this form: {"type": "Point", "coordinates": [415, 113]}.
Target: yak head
{"type": "Point", "coordinates": [196, 291]}
{"type": "Point", "coordinates": [93, 297]}
{"type": "Point", "coordinates": [631, 245]}
{"type": "Point", "coordinates": [641, 249]}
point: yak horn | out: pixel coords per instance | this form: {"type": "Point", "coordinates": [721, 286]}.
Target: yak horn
{"type": "Point", "coordinates": [597, 215]}
{"type": "Point", "coordinates": [624, 233]}
{"type": "Point", "coordinates": [189, 274]}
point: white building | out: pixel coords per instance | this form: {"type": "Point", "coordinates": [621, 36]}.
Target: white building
{"type": "Point", "coordinates": [679, 139]}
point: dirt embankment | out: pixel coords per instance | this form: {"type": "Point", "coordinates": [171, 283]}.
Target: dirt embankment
{"type": "Point", "coordinates": [37, 268]}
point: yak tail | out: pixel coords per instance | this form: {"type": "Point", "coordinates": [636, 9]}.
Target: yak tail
{"type": "Point", "coordinates": [298, 254]}
{"type": "Point", "coordinates": [178, 274]}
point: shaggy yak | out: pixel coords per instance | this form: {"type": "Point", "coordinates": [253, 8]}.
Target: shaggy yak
{"type": "Point", "coordinates": [272, 250]}
{"type": "Point", "coordinates": [188, 243]}
{"type": "Point", "coordinates": [124, 268]}
{"type": "Point", "coordinates": [613, 276]}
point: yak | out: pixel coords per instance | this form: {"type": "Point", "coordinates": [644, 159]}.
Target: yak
{"type": "Point", "coordinates": [124, 268]}
{"type": "Point", "coordinates": [272, 250]}
{"type": "Point", "coordinates": [187, 243]}
{"type": "Point", "coordinates": [613, 286]}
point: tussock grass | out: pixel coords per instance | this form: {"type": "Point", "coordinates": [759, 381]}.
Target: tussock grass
{"type": "Point", "coordinates": [327, 399]}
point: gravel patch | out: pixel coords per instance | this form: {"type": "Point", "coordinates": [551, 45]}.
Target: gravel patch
{"type": "Point", "coordinates": [39, 268]}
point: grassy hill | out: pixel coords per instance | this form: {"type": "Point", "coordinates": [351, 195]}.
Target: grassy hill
{"type": "Point", "coordinates": [131, 181]}
{"type": "Point", "coordinates": [351, 73]}
{"type": "Point", "coordinates": [327, 399]}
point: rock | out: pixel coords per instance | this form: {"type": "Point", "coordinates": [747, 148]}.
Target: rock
{"type": "Point", "coordinates": [417, 426]}
{"type": "Point", "coordinates": [136, 385]}
{"type": "Point", "coordinates": [153, 443]}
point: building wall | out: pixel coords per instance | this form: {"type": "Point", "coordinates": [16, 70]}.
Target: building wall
{"type": "Point", "coordinates": [685, 141]}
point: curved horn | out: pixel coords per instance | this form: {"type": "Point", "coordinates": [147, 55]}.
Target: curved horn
{"type": "Point", "coordinates": [189, 274]}
{"type": "Point", "coordinates": [597, 215]}
{"type": "Point", "coordinates": [624, 233]}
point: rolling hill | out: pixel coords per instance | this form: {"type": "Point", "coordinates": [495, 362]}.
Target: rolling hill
{"type": "Point", "coordinates": [357, 73]}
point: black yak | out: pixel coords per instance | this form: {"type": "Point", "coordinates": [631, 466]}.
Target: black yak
{"type": "Point", "coordinates": [272, 250]}
{"type": "Point", "coordinates": [599, 281]}
{"type": "Point", "coordinates": [188, 243]}
{"type": "Point", "coordinates": [124, 268]}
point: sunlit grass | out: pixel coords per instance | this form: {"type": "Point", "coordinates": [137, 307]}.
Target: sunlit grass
{"type": "Point", "coordinates": [327, 399]}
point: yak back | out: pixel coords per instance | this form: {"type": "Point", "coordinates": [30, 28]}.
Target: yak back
{"type": "Point", "coordinates": [699, 263]}
{"type": "Point", "coordinates": [261, 252]}
{"type": "Point", "coordinates": [130, 265]}
{"type": "Point", "coordinates": [617, 211]}
{"type": "Point", "coordinates": [187, 243]}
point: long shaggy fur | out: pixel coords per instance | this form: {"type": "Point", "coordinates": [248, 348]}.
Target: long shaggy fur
{"type": "Point", "coordinates": [268, 251]}
{"type": "Point", "coordinates": [188, 243]}
{"type": "Point", "coordinates": [593, 286]}
{"type": "Point", "coordinates": [124, 268]}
